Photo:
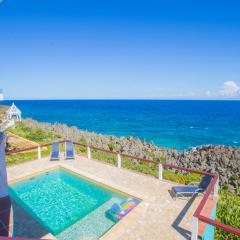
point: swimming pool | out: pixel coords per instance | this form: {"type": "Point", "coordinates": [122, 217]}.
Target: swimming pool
{"type": "Point", "coordinates": [67, 205]}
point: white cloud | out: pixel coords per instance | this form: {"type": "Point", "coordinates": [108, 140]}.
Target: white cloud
{"type": "Point", "coordinates": [229, 89]}
{"type": "Point", "coordinates": [208, 93]}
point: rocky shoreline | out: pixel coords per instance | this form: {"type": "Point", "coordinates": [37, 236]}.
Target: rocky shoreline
{"type": "Point", "coordinates": [224, 160]}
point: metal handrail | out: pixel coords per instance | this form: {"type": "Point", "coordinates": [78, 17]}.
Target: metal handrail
{"type": "Point", "coordinates": [30, 148]}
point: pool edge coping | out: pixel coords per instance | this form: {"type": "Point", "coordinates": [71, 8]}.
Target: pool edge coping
{"type": "Point", "coordinates": [90, 178]}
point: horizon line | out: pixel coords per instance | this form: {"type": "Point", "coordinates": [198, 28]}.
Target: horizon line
{"type": "Point", "coordinates": [123, 99]}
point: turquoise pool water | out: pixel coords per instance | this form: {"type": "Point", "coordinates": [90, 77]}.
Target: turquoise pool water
{"type": "Point", "coordinates": [68, 206]}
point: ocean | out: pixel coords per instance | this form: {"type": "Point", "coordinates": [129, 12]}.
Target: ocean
{"type": "Point", "coordinates": [176, 124]}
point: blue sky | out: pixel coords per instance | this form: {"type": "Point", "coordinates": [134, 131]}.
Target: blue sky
{"type": "Point", "coordinates": [126, 49]}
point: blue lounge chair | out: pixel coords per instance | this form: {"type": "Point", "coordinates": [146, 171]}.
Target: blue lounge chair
{"type": "Point", "coordinates": [69, 151]}
{"type": "Point", "coordinates": [190, 190]}
{"type": "Point", "coordinates": [55, 151]}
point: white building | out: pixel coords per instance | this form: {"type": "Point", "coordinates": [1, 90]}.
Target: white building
{"type": "Point", "coordinates": [8, 116]}
{"type": "Point", "coordinates": [1, 95]}
{"type": "Point", "coordinates": [14, 113]}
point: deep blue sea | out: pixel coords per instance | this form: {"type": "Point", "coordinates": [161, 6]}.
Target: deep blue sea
{"type": "Point", "coordinates": [169, 123]}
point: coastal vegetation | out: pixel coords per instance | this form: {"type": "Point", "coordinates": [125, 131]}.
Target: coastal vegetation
{"type": "Point", "coordinates": [228, 210]}
{"type": "Point", "coordinates": [26, 156]}
{"type": "Point", "coordinates": [2, 112]}
{"type": "Point", "coordinates": [138, 166]}
{"type": "Point", "coordinates": [37, 134]}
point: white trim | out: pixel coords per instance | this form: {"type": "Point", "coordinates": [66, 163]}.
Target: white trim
{"type": "Point", "coordinates": [39, 152]}
{"type": "Point", "coordinates": [88, 152]}
{"type": "Point", "coordinates": [216, 188]}
{"type": "Point", "coordinates": [119, 161]}
{"type": "Point", "coordinates": [160, 171]}
{"type": "Point", "coordinates": [194, 235]}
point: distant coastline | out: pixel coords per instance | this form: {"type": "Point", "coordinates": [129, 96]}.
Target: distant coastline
{"type": "Point", "coordinates": [179, 124]}
{"type": "Point", "coordinates": [124, 99]}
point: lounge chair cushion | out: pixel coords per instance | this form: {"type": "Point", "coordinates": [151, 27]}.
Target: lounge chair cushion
{"type": "Point", "coordinates": [69, 150]}
{"type": "Point", "coordinates": [185, 189]}
{"type": "Point", "coordinates": [206, 179]}
{"type": "Point", "coordinates": [55, 151]}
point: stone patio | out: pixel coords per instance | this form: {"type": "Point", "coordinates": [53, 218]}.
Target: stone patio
{"type": "Point", "coordinates": [158, 216]}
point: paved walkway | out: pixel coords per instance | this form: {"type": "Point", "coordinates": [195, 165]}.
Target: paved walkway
{"type": "Point", "coordinates": [158, 216]}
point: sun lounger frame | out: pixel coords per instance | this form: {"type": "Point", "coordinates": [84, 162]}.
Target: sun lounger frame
{"type": "Point", "coordinates": [57, 157]}
{"type": "Point", "coordinates": [198, 189]}
{"type": "Point", "coordinates": [72, 156]}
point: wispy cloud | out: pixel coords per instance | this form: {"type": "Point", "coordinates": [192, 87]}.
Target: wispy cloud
{"type": "Point", "coordinates": [229, 89]}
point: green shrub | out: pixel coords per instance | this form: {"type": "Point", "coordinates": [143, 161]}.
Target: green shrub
{"type": "Point", "coordinates": [152, 169]}
{"type": "Point", "coordinates": [57, 135]}
{"type": "Point", "coordinates": [20, 129]}
{"type": "Point", "coordinates": [22, 157]}
{"type": "Point", "coordinates": [104, 156]}
{"type": "Point", "coordinates": [150, 154]}
{"type": "Point", "coordinates": [80, 150]}
{"type": "Point", "coordinates": [36, 135]}
{"type": "Point", "coordinates": [161, 159]}
{"type": "Point", "coordinates": [139, 166]}
{"type": "Point", "coordinates": [83, 140]}
{"type": "Point", "coordinates": [8, 145]}
{"type": "Point", "coordinates": [181, 178]}
{"type": "Point", "coordinates": [235, 177]}
{"type": "Point", "coordinates": [228, 212]}
{"type": "Point", "coordinates": [111, 146]}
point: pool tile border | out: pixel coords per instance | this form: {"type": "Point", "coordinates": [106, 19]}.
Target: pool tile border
{"type": "Point", "coordinates": [91, 179]}
{"type": "Point", "coordinates": [144, 221]}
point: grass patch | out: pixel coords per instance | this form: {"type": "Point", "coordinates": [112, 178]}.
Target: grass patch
{"type": "Point", "coordinates": [181, 178]}
{"type": "Point", "coordinates": [80, 150]}
{"type": "Point", "coordinates": [139, 166]}
{"type": "Point", "coordinates": [152, 169]}
{"type": "Point", "coordinates": [228, 212]}
{"type": "Point", "coordinates": [36, 135]}
{"type": "Point", "coordinates": [22, 157]}
{"type": "Point", "coordinates": [104, 156]}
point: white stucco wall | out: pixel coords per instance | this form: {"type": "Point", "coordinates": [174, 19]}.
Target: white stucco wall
{"type": "Point", "coordinates": [3, 170]}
